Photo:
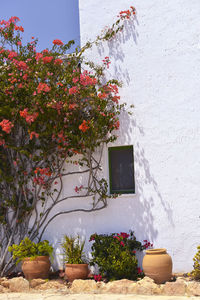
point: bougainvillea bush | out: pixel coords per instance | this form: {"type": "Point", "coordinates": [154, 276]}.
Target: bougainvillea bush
{"type": "Point", "coordinates": [115, 255]}
{"type": "Point", "coordinates": [54, 108]}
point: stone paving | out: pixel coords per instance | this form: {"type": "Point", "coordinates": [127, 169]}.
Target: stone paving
{"type": "Point", "coordinates": [62, 296]}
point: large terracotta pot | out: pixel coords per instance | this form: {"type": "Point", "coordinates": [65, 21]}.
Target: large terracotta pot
{"type": "Point", "coordinates": [36, 268]}
{"type": "Point", "coordinates": [157, 264]}
{"type": "Point", "coordinates": [76, 271]}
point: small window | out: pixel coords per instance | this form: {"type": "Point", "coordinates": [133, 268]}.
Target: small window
{"type": "Point", "coordinates": [121, 170]}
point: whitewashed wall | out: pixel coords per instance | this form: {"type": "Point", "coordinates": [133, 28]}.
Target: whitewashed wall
{"type": "Point", "coordinates": [158, 59]}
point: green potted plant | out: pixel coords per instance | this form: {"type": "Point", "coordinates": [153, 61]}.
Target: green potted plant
{"type": "Point", "coordinates": [34, 257]}
{"type": "Point", "coordinates": [76, 266]}
{"type": "Point", "coordinates": [115, 255]}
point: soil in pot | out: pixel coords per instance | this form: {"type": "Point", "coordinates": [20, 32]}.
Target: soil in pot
{"type": "Point", "coordinates": [36, 268]}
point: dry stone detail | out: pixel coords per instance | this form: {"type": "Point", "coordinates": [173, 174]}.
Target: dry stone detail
{"type": "Point", "coordinates": [177, 288]}
{"type": "Point", "coordinates": [146, 286]}
{"type": "Point", "coordinates": [18, 284]}
{"type": "Point", "coordinates": [123, 286]}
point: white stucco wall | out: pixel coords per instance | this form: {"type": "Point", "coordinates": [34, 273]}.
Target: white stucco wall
{"type": "Point", "coordinates": [158, 59]}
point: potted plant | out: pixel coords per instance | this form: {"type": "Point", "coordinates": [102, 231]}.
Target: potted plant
{"type": "Point", "coordinates": [34, 257]}
{"type": "Point", "coordinates": [76, 266]}
{"type": "Point", "coordinates": [115, 255]}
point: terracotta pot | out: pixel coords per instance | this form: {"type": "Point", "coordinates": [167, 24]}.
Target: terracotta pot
{"type": "Point", "coordinates": [36, 268]}
{"type": "Point", "coordinates": [157, 264]}
{"type": "Point", "coordinates": [76, 271]}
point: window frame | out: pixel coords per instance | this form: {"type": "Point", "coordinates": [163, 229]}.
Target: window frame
{"type": "Point", "coordinates": [124, 191]}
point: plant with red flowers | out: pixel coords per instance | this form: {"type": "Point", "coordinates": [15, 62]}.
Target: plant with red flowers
{"type": "Point", "coordinates": [52, 112]}
{"type": "Point", "coordinates": [115, 255]}
{"type": "Point", "coordinates": [97, 277]}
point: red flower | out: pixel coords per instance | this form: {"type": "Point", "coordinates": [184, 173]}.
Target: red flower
{"type": "Point", "coordinates": [124, 235]}
{"type": "Point", "coordinates": [58, 61]}
{"type": "Point", "coordinates": [106, 61]}
{"type": "Point", "coordinates": [43, 87]}
{"type": "Point", "coordinates": [92, 238]}
{"type": "Point", "coordinates": [116, 125]}
{"type": "Point", "coordinates": [83, 127]}
{"type": "Point", "coordinates": [57, 42]}
{"type": "Point", "coordinates": [78, 189]}
{"type": "Point", "coordinates": [38, 56]}
{"type": "Point", "coordinates": [29, 117]}
{"type": "Point", "coordinates": [32, 134]}
{"type": "Point", "coordinates": [21, 65]}
{"type": "Point", "coordinates": [139, 270]}
{"type": "Point", "coordinates": [73, 90]}
{"type": "Point", "coordinates": [12, 54]}
{"type": "Point", "coordinates": [75, 79]}
{"type": "Point", "coordinates": [72, 106]}
{"type": "Point", "coordinates": [47, 59]}
{"type": "Point", "coordinates": [121, 243]}
{"type": "Point", "coordinates": [6, 126]}
{"type": "Point", "coordinates": [97, 277]}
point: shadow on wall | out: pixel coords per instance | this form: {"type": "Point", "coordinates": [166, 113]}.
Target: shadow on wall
{"type": "Point", "coordinates": [137, 211]}
{"type": "Point", "coordinates": [115, 48]}
{"type": "Point", "coordinates": [145, 180]}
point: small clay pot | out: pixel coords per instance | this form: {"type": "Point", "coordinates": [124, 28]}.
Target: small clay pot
{"type": "Point", "coordinates": [76, 271]}
{"type": "Point", "coordinates": [157, 264]}
{"type": "Point", "coordinates": [36, 268]}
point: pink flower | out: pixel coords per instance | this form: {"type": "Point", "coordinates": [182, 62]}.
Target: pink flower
{"type": "Point", "coordinates": [75, 79]}
{"type": "Point", "coordinates": [38, 56]}
{"type": "Point", "coordinates": [106, 62]}
{"type": "Point", "coordinates": [85, 79]}
{"type": "Point", "coordinates": [12, 54]}
{"type": "Point", "coordinates": [78, 189]}
{"type": "Point", "coordinates": [73, 90]}
{"type": "Point", "coordinates": [43, 87]}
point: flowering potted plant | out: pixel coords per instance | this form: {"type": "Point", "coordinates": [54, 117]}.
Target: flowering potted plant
{"type": "Point", "coordinates": [34, 257]}
{"type": "Point", "coordinates": [115, 255]}
{"type": "Point", "coordinates": [76, 266]}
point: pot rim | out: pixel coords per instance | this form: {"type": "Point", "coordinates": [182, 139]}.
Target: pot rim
{"type": "Point", "coordinates": [39, 257]}
{"type": "Point", "coordinates": [69, 265]}
{"type": "Point", "coordinates": [156, 251]}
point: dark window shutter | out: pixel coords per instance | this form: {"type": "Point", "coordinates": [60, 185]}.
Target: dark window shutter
{"type": "Point", "coordinates": [121, 167]}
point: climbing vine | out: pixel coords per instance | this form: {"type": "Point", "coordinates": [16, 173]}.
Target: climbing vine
{"type": "Point", "coordinates": [56, 110]}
